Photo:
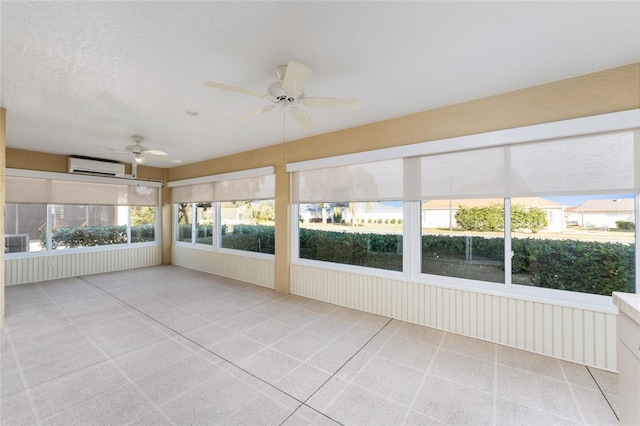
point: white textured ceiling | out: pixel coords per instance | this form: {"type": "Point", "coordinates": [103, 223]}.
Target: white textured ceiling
{"type": "Point", "coordinates": [80, 78]}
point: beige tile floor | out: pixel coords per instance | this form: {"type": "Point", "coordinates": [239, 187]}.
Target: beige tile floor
{"type": "Point", "coordinates": [167, 345]}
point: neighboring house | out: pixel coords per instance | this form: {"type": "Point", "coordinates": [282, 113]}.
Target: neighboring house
{"type": "Point", "coordinates": [374, 211]}
{"type": "Point", "coordinates": [313, 213]}
{"type": "Point", "coordinates": [441, 213]}
{"type": "Point", "coordinates": [603, 213]}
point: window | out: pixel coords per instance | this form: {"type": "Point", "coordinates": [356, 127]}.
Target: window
{"type": "Point", "coordinates": [86, 226]}
{"type": "Point", "coordinates": [248, 225]}
{"type": "Point", "coordinates": [53, 211]}
{"type": "Point", "coordinates": [498, 210]}
{"type": "Point", "coordinates": [25, 227]}
{"type": "Point", "coordinates": [245, 224]}
{"type": "Point", "coordinates": [204, 223]}
{"type": "Point", "coordinates": [352, 214]}
{"type": "Point", "coordinates": [359, 233]}
{"type": "Point", "coordinates": [463, 239]}
{"type": "Point", "coordinates": [37, 227]}
{"type": "Point", "coordinates": [591, 251]}
{"type": "Point", "coordinates": [184, 222]}
{"type": "Point", "coordinates": [143, 224]}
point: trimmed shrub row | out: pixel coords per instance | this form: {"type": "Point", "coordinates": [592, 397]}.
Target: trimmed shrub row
{"type": "Point", "coordinates": [582, 266]}
{"type": "Point", "coordinates": [256, 238]}
{"type": "Point", "coordinates": [90, 236]}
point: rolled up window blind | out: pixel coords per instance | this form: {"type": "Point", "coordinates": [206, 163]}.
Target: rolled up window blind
{"type": "Point", "coordinates": [375, 181]}
{"type": "Point", "coordinates": [248, 188]}
{"type": "Point", "coordinates": [27, 190]}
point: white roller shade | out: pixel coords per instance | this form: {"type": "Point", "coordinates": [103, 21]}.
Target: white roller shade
{"type": "Point", "coordinates": [254, 184]}
{"type": "Point", "coordinates": [465, 174]}
{"type": "Point", "coordinates": [252, 188]}
{"type": "Point", "coordinates": [202, 192]}
{"type": "Point", "coordinates": [23, 190]}
{"type": "Point", "coordinates": [603, 163]}
{"type": "Point", "coordinates": [26, 190]}
{"type": "Point", "coordinates": [376, 181]}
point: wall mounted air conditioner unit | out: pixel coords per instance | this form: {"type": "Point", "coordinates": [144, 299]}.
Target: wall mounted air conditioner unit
{"type": "Point", "coordinates": [95, 167]}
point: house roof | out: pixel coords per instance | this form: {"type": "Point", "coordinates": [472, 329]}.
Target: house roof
{"type": "Point", "coordinates": [611, 205]}
{"type": "Point", "coordinates": [454, 204]}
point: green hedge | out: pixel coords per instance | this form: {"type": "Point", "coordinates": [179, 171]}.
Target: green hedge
{"type": "Point", "coordinates": [91, 236]}
{"type": "Point", "coordinates": [143, 233]}
{"type": "Point", "coordinates": [87, 236]}
{"type": "Point", "coordinates": [256, 238]}
{"type": "Point", "coordinates": [582, 266]}
{"type": "Point", "coordinates": [382, 251]}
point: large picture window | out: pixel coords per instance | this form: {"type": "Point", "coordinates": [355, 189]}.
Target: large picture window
{"type": "Point", "coordinates": [525, 210]}
{"type": "Point", "coordinates": [589, 248]}
{"type": "Point", "coordinates": [52, 211]}
{"type": "Point", "coordinates": [248, 226]}
{"type": "Point", "coordinates": [463, 239]}
{"type": "Point", "coordinates": [361, 233]}
{"type": "Point", "coordinates": [228, 211]}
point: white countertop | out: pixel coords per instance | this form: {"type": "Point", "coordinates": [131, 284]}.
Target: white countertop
{"type": "Point", "coordinates": [629, 304]}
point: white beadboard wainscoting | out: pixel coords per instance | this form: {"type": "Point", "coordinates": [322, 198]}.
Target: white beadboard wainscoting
{"type": "Point", "coordinates": [238, 267]}
{"type": "Point", "coordinates": [581, 335]}
{"type": "Point", "coordinates": [43, 267]}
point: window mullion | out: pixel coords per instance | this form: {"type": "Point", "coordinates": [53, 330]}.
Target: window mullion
{"type": "Point", "coordinates": [508, 252]}
{"type": "Point", "coordinates": [194, 228]}
{"type": "Point", "coordinates": [49, 231]}
{"type": "Point", "coordinates": [412, 234]}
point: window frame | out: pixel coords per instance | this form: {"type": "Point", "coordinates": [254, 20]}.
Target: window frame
{"type": "Point", "coordinates": [606, 123]}
{"type": "Point", "coordinates": [216, 243]}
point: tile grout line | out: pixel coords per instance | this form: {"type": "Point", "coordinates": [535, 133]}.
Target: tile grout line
{"type": "Point", "coordinates": [345, 363]}
{"type": "Point", "coordinates": [495, 385]}
{"type": "Point", "coordinates": [23, 379]}
{"type": "Point", "coordinates": [573, 394]}
{"type": "Point", "coordinates": [336, 372]}
{"type": "Point", "coordinates": [423, 381]}
{"type": "Point", "coordinates": [602, 392]}
{"type": "Point", "coordinates": [108, 360]}
{"type": "Point", "coordinates": [208, 350]}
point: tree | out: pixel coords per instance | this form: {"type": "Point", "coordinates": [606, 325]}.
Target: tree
{"type": "Point", "coordinates": [482, 219]}
{"type": "Point", "coordinates": [491, 218]}
{"type": "Point", "coordinates": [142, 215]}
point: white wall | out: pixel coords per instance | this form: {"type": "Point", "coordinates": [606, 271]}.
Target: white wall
{"type": "Point", "coordinates": [43, 267]}
{"type": "Point", "coordinates": [250, 269]}
{"type": "Point", "coordinates": [585, 336]}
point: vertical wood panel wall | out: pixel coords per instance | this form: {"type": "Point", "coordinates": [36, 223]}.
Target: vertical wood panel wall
{"type": "Point", "coordinates": [577, 335]}
{"type": "Point", "coordinates": [248, 269]}
{"type": "Point", "coordinates": [65, 265]}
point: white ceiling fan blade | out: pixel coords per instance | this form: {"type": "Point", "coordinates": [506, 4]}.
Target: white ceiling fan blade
{"type": "Point", "coordinates": [295, 77]}
{"type": "Point", "coordinates": [235, 89]}
{"type": "Point", "coordinates": [256, 113]}
{"type": "Point", "coordinates": [341, 103]}
{"type": "Point", "coordinates": [301, 117]}
{"type": "Point", "coordinates": [154, 152]}
{"type": "Point", "coordinates": [162, 160]}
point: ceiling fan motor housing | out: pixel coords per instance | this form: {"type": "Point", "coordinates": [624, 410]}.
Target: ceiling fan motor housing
{"type": "Point", "coordinates": [276, 94]}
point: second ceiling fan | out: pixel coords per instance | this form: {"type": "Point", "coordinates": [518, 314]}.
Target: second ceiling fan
{"type": "Point", "coordinates": [288, 93]}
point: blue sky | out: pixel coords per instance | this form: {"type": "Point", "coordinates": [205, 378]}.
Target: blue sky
{"type": "Point", "coordinates": [569, 201]}
{"type": "Point", "coordinates": [576, 200]}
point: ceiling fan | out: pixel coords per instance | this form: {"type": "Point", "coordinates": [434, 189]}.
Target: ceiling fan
{"type": "Point", "coordinates": [288, 93]}
{"type": "Point", "coordinates": [142, 154]}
